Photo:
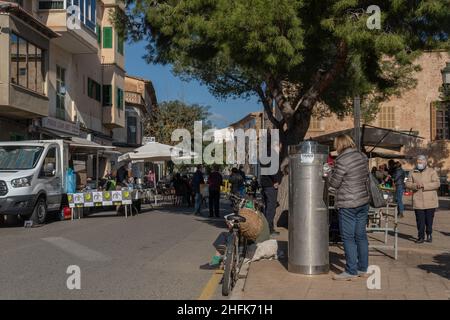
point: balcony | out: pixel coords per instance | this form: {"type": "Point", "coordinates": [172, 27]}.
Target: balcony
{"type": "Point", "coordinates": [17, 102]}
{"type": "Point", "coordinates": [118, 3]}
{"type": "Point", "coordinates": [76, 38]}
{"type": "Point", "coordinates": [136, 99]}
{"type": "Point", "coordinates": [113, 118]}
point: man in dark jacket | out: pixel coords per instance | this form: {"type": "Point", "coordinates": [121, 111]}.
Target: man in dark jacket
{"type": "Point", "coordinates": [214, 182]}
{"type": "Point", "coordinates": [236, 182]}
{"type": "Point", "coordinates": [398, 176]}
{"type": "Point", "coordinates": [122, 176]}
{"type": "Point", "coordinates": [269, 191]}
{"type": "Point", "coordinates": [197, 180]}
{"type": "Point", "coordinates": [242, 173]}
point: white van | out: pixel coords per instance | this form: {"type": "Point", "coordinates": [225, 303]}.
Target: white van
{"type": "Point", "coordinates": [32, 177]}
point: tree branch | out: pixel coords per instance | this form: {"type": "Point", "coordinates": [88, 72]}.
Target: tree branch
{"type": "Point", "coordinates": [267, 103]}
{"type": "Point", "coordinates": [321, 81]}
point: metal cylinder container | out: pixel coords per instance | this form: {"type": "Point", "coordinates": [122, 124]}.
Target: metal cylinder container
{"type": "Point", "coordinates": [308, 209]}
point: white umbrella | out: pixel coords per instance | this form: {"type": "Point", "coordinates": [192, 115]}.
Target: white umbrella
{"type": "Point", "coordinates": [155, 151]}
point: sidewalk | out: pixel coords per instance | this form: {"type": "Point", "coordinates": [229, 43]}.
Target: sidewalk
{"type": "Point", "coordinates": [422, 271]}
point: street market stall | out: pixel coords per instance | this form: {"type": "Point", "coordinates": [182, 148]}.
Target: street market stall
{"type": "Point", "coordinates": [156, 152]}
{"type": "Point", "coordinates": [375, 143]}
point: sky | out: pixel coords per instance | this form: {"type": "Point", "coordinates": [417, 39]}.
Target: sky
{"type": "Point", "coordinates": [169, 87]}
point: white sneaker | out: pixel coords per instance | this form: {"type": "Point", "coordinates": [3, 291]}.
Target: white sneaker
{"type": "Point", "coordinates": [344, 276]}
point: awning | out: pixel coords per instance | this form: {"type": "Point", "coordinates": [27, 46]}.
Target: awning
{"type": "Point", "coordinates": [155, 151]}
{"type": "Point", "coordinates": [374, 137]}
{"type": "Point", "coordinates": [81, 145]}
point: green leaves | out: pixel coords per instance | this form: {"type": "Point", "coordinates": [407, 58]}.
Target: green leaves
{"type": "Point", "coordinates": [173, 115]}
{"type": "Point", "coordinates": [240, 48]}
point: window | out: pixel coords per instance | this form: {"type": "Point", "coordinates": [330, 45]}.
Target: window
{"type": "Point", "coordinates": [131, 130]}
{"type": "Point", "coordinates": [98, 29]}
{"type": "Point", "coordinates": [23, 49]}
{"type": "Point", "coordinates": [49, 161]}
{"type": "Point", "coordinates": [32, 67]}
{"type": "Point", "coordinates": [315, 124]}
{"type": "Point", "coordinates": [40, 81]}
{"type": "Point", "coordinates": [48, 5]}
{"type": "Point", "coordinates": [107, 95]}
{"type": "Point", "coordinates": [386, 117]}
{"type": "Point", "coordinates": [119, 98]}
{"type": "Point", "coordinates": [14, 58]}
{"type": "Point", "coordinates": [19, 2]}
{"type": "Point", "coordinates": [94, 90]}
{"type": "Point", "coordinates": [88, 11]}
{"type": "Point", "coordinates": [16, 137]}
{"type": "Point", "coordinates": [107, 37]}
{"type": "Point", "coordinates": [443, 122]}
{"type": "Point", "coordinates": [60, 93]}
{"type": "Point", "coordinates": [26, 64]}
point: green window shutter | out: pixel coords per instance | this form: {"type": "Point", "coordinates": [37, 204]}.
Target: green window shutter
{"type": "Point", "coordinates": [107, 37]}
{"type": "Point", "coordinates": [119, 98]}
{"type": "Point", "coordinates": [98, 92]}
{"type": "Point", "coordinates": [90, 87]}
{"type": "Point", "coordinates": [107, 93]}
{"type": "Point", "coordinates": [99, 34]}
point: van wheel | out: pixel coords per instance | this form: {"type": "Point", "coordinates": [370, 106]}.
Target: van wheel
{"type": "Point", "coordinates": [39, 214]}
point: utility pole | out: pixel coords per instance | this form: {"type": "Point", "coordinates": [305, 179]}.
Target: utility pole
{"type": "Point", "coordinates": [357, 121]}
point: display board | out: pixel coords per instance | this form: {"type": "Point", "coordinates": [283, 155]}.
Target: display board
{"type": "Point", "coordinates": [99, 198]}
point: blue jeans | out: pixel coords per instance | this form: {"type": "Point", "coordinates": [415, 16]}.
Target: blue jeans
{"type": "Point", "coordinates": [352, 224]}
{"type": "Point", "coordinates": [399, 199]}
{"type": "Point", "coordinates": [198, 202]}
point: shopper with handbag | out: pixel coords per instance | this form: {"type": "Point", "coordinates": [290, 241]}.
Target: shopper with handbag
{"type": "Point", "coordinates": [349, 179]}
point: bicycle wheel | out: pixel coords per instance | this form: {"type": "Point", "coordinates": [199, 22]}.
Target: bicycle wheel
{"type": "Point", "coordinates": [230, 266]}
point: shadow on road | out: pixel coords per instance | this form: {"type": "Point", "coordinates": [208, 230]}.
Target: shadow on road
{"type": "Point", "coordinates": [441, 266]}
{"type": "Point", "coordinates": [16, 222]}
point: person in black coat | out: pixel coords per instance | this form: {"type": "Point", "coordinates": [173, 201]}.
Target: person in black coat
{"type": "Point", "coordinates": [269, 190]}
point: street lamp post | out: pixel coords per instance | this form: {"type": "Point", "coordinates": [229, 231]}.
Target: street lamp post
{"type": "Point", "coordinates": [446, 80]}
{"type": "Point", "coordinates": [357, 121]}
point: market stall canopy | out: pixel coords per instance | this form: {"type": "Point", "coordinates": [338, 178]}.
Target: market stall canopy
{"type": "Point", "coordinates": [87, 146]}
{"type": "Point", "coordinates": [374, 137]}
{"type": "Point", "coordinates": [155, 151]}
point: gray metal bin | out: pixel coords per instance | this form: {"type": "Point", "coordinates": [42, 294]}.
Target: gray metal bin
{"type": "Point", "coordinates": [308, 209]}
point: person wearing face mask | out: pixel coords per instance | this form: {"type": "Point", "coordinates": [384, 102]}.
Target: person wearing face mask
{"type": "Point", "coordinates": [424, 181]}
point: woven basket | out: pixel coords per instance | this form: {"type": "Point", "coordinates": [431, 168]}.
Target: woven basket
{"type": "Point", "coordinates": [253, 225]}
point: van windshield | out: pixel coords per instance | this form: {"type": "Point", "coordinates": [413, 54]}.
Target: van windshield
{"type": "Point", "coordinates": [19, 157]}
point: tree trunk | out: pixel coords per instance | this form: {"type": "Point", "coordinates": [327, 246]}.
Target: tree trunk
{"type": "Point", "coordinates": [294, 135]}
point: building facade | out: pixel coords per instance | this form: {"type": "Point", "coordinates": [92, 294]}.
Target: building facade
{"type": "Point", "coordinates": [253, 120]}
{"type": "Point", "coordinates": [419, 110]}
{"type": "Point", "coordinates": [63, 74]}
{"type": "Point", "coordinates": [140, 99]}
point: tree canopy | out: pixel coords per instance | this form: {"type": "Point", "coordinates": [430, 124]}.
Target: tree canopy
{"type": "Point", "coordinates": [292, 54]}
{"type": "Point", "coordinates": [171, 115]}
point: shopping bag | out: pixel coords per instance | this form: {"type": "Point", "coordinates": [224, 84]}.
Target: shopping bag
{"type": "Point", "coordinates": [376, 196]}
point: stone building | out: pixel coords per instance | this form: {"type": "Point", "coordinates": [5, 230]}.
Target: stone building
{"type": "Point", "coordinates": [419, 110]}
{"type": "Point", "coordinates": [253, 120]}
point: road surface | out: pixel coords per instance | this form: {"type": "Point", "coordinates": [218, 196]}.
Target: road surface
{"type": "Point", "coordinates": [154, 255]}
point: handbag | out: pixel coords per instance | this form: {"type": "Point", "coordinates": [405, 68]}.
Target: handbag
{"type": "Point", "coordinates": [375, 195]}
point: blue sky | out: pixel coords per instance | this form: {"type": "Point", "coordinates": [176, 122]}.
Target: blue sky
{"type": "Point", "coordinates": [169, 87]}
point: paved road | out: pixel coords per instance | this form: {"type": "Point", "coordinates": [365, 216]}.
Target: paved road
{"type": "Point", "coordinates": [155, 255]}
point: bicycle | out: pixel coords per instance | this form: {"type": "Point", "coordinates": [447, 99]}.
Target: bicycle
{"type": "Point", "coordinates": [236, 247]}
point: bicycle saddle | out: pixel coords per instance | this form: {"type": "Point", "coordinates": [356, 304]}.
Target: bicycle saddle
{"type": "Point", "coordinates": [237, 218]}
